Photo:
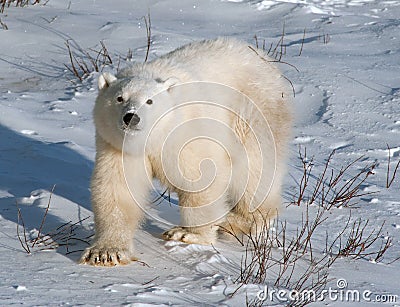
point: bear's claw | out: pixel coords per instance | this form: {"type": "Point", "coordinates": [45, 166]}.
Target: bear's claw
{"type": "Point", "coordinates": [103, 256]}
{"type": "Point", "coordinates": [187, 235]}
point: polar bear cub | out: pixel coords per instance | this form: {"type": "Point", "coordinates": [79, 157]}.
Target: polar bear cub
{"type": "Point", "coordinates": [211, 121]}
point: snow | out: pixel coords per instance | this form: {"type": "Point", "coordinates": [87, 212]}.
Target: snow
{"type": "Point", "coordinates": [347, 98]}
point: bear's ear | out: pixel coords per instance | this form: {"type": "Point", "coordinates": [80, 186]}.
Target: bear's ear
{"type": "Point", "coordinates": [171, 81]}
{"type": "Point", "coordinates": [105, 80]}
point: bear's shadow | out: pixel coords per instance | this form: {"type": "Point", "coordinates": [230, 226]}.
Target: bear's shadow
{"type": "Point", "coordinates": [29, 166]}
{"type": "Point", "coordinates": [26, 165]}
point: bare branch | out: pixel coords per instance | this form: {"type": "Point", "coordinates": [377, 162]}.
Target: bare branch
{"type": "Point", "coordinates": [147, 22]}
{"type": "Point", "coordinates": [390, 181]}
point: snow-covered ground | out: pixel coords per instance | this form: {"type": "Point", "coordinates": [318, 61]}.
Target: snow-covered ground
{"type": "Point", "coordinates": [347, 98]}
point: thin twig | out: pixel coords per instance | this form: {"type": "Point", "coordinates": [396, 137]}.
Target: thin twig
{"type": "Point", "coordinates": [302, 42]}
{"type": "Point", "coordinates": [73, 68]}
{"type": "Point", "coordinates": [3, 25]}
{"type": "Point", "coordinates": [150, 281]}
{"type": "Point", "coordinates": [24, 243]}
{"type": "Point", "coordinates": [390, 181]}
{"type": "Point", "coordinates": [44, 217]}
{"type": "Point", "coordinates": [147, 22]}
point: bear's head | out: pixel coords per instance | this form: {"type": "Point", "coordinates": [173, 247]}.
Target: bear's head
{"type": "Point", "coordinates": [130, 106]}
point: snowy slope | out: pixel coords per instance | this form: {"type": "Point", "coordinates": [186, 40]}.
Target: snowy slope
{"type": "Point", "coordinates": [347, 98]}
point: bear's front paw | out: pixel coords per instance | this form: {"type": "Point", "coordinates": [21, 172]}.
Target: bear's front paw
{"type": "Point", "coordinates": [106, 256]}
{"type": "Point", "coordinates": [188, 235]}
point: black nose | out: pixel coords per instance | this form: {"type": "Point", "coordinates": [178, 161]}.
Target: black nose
{"type": "Point", "coordinates": [131, 118]}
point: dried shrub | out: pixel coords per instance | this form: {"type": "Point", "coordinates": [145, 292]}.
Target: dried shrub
{"type": "Point", "coordinates": [37, 240]}
{"type": "Point", "coordinates": [18, 3]}
{"type": "Point", "coordinates": [284, 259]}
{"type": "Point", "coordinates": [84, 62]}
{"type": "Point", "coordinates": [332, 188]}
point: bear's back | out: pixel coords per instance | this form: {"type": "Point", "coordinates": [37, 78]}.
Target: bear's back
{"type": "Point", "coordinates": [222, 60]}
{"type": "Point", "coordinates": [232, 63]}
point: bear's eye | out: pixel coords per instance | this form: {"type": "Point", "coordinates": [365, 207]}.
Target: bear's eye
{"type": "Point", "coordinates": [149, 101]}
{"type": "Point", "coordinates": [120, 99]}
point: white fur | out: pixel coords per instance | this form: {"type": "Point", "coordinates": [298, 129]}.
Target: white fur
{"type": "Point", "coordinates": [231, 176]}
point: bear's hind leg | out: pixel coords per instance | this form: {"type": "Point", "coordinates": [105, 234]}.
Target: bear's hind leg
{"type": "Point", "coordinates": [243, 221]}
{"type": "Point", "coordinates": [200, 217]}
{"type": "Point", "coordinates": [192, 235]}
